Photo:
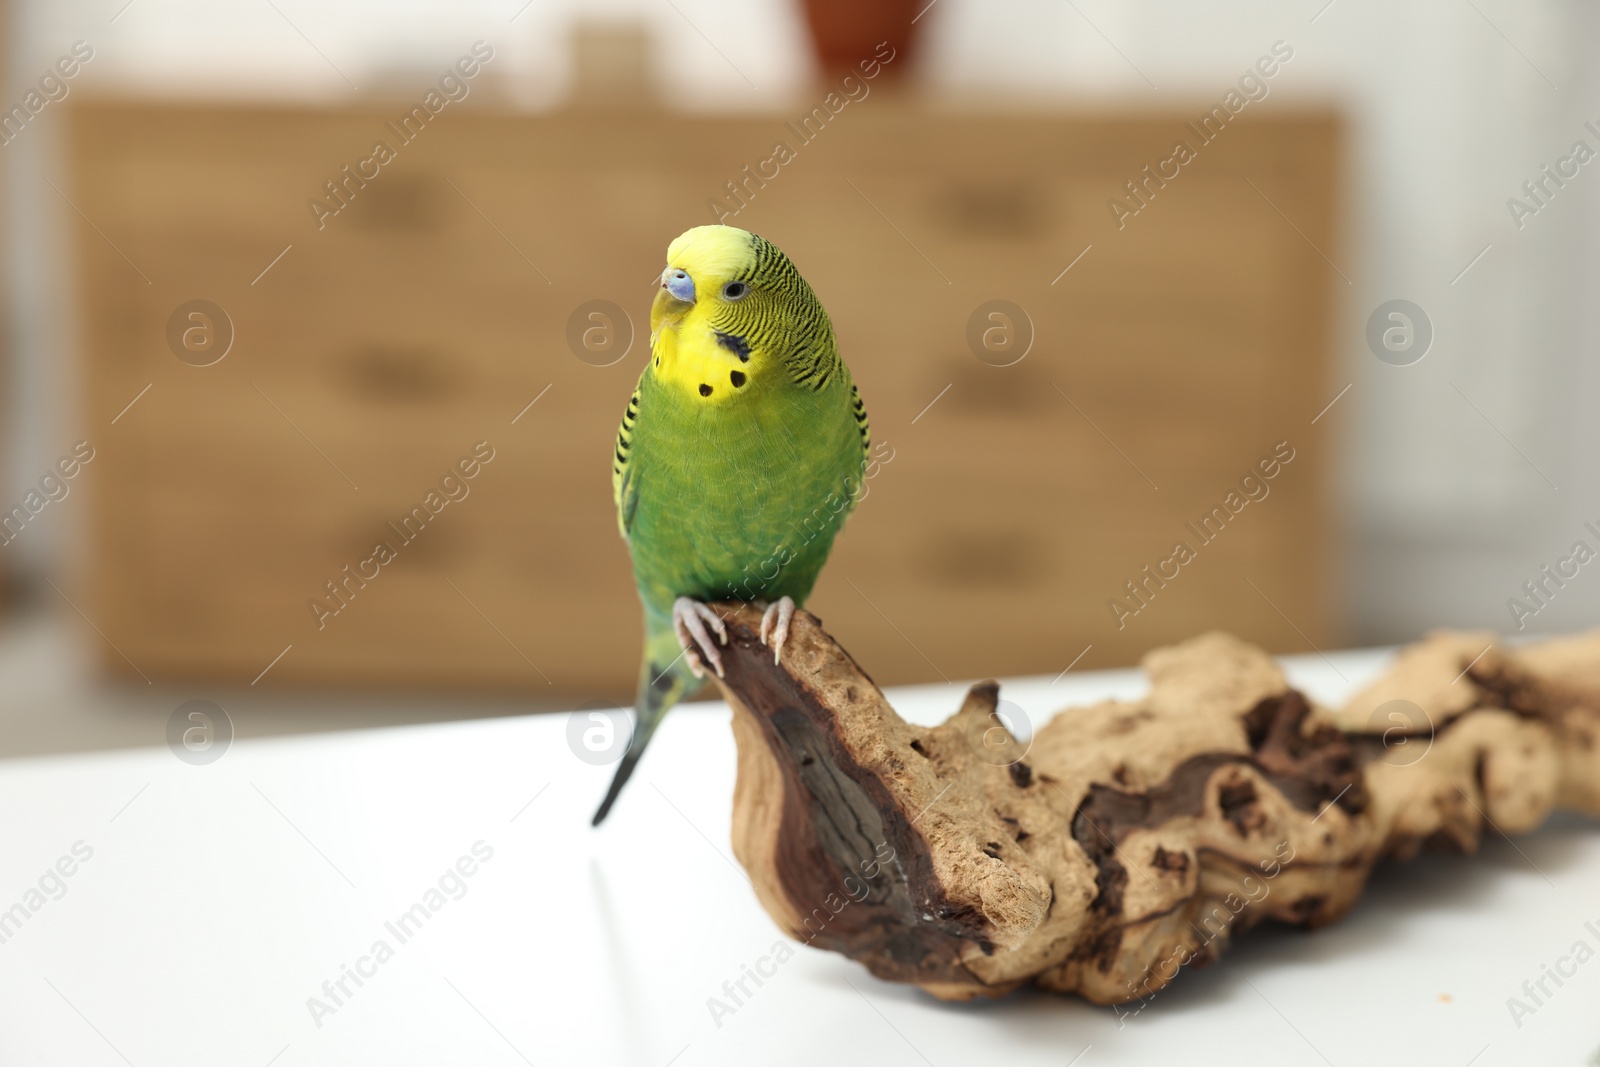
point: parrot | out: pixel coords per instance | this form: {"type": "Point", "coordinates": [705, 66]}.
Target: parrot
{"type": "Point", "coordinates": [742, 451]}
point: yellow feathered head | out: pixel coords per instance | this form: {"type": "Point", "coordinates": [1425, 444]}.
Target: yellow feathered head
{"type": "Point", "coordinates": [730, 307]}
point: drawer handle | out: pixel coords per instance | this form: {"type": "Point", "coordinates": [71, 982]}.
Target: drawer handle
{"type": "Point", "coordinates": [1009, 210]}
{"type": "Point", "coordinates": [401, 375]}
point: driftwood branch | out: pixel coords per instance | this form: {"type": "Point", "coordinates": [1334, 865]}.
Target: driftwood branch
{"type": "Point", "coordinates": [1130, 839]}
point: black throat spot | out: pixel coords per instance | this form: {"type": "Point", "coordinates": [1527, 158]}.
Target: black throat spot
{"type": "Point", "coordinates": [735, 344]}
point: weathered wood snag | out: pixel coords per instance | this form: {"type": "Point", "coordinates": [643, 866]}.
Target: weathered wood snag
{"type": "Point", "coordinates": [1130, 839]}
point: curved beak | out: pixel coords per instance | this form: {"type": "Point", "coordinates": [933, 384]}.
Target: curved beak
{"type": "Point", "coordinates": [678, 284]}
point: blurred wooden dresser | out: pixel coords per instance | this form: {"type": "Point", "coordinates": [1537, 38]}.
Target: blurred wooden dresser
{"type": "Point", "coordinates": [369, 355]}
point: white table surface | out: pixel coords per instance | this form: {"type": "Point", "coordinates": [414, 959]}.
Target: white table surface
{"type": "Point", "coordinates": [219, 898]}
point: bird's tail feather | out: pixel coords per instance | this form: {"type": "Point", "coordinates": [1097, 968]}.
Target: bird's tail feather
{"type": "Point", "coordinates": [664, 679]}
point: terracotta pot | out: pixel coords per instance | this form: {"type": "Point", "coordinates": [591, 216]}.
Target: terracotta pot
{"type": "Point", "coordinates": [845, 32]}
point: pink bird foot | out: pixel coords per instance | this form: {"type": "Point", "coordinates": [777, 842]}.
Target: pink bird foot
{"type": "Point", "coordinates": [690, 619]}
{"type": "Point", "coordinates": [776, 619]}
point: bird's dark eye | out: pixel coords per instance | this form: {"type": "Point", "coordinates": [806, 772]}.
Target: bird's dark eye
{"type": "Point", "coordinates": [734, 291]}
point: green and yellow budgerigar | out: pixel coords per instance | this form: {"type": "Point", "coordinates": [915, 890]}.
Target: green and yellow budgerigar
{"type": "Point", "coordinates": [741, 453]}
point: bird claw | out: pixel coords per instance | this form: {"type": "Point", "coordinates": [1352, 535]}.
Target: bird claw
{"type": "Point", "coordinates": [777, 618]}
{"type": "Point", "coordinates": [689, 619]}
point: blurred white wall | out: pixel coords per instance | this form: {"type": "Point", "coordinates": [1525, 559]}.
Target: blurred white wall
{"type": "Point", "coordinates": [1461, 475]}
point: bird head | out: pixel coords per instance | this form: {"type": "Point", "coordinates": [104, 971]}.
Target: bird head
{"type": "Point", "coordinates": [709, 269]}
{"type": "Point", "coordinates": [729, 308]}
